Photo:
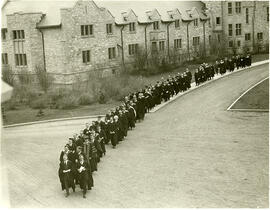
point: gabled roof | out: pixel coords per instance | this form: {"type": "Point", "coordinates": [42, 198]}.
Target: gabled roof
{"type": "Point", "coordinates": [140, 7]}
{"type": "Point", "coordinates": [118, 9]}
{"type": "Point", "coordinates": [48, 7]}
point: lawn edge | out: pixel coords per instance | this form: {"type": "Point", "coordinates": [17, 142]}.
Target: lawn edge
{"type": "Point", "coordinates": [253, 86]}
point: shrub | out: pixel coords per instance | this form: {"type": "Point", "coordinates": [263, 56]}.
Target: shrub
{"type": "Point", "coordinates": [10, 104]}
{"type": "Point", "coordinates": [40, 103]}
{"type": "Point", "coordinates": [68, 102]}
{"type": "Point", "coordinates": [25, 78]}
{"type": "Point", "coordinates": [43, 78]}
{"type": "Point", "coordinates": [87, 99]}
{"type": "Point", "coordinates": [7, 75]}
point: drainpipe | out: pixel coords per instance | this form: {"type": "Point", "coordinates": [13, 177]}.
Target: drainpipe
{"type": "Point", "coordinates": [168, 35]}
{"type": "Point", "coordinates": [122, 44]}
{"type": "Point", "coordinates": [43, 49]}
{"type": "Point", "coordinates": [204, 48]}
{"type": "Point", "coordinates": [253, 26]}
{"type": "Point", "coordinates": [145, 38]}
{"type": "Point", "coordinates": [188, 41]}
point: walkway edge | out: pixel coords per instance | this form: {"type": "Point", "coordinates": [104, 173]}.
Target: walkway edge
{"type": "Point", "coordinates": [253, 86]}
{"type": "Point", "coordinates": [195, 87]}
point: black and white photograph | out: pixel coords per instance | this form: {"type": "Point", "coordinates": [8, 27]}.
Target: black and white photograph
{"type": "Point", "coordinates": [134, 104]}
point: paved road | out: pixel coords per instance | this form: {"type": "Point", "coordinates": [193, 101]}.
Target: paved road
{"type": "Point", "coordinates": [191, 153]}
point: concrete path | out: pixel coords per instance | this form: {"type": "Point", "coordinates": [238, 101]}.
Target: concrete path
{"type": "Point", "coordinates": [191, 153]}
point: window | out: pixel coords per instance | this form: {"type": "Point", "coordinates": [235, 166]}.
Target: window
{"type": "Point", "coordinates": [154, 46]}
{"type": "Point", "coordinates": [230, 29]}
{"type": "Point", "coordinates": [229, 7]}
{"type": "Point", "coordinates": [132, 49]}
{"type": "Point", "coordinates": [218, 20]}
{"type": "Point", "coordinates": [18, 34]}
{"type": "Point", "coordinates": [177, 43]}
{"type": "Point", "coordinates": [210, 39]}
{"type": "Point", "coordinates": [218, 38]}
{"type": "Point", "coordinates": [20, 60]}
{"type": "Point", "coordinates": [230, 43]}
{"type": "Point", "coordinates": [177, 24]}
{"type": "Point", "coordinates": [4, 58]}
{"type": "Point", "coordinates": [196, 41]}
{"type": "Point", "coordinates": [156, 25]}
{"type": "Point", "coordinates": [161, 45]}
{"type": "Point", "coordinates": [238, 43]}
{"type": "Point", "coordinates": [238, 29]}
{"type": "Point", "coordinates": [247, 16]}
{"type": "Point", "coordinates": [238, 7]}
{"type": "Point", "coordinates": [4, 34]}
{"type": "Point", "coordinates": [247, 37]}
{"type": "Point", "coordinates": [86, 56]}
{"type": "Point", "coordinates": [86, 30]}
{"type": "Point", "coordinates": [267, 14]}
{"type": "Point", "coordinates": [196, 22]}
{"type": "Point", "coordinates": [132, 26]}
{"type": "Point", "coordinates": [111, 52]}
{"type": "Point", "coordinates": [259, 36]}
{"type": "Point", "coordinates": [209, 23]}
{"type": "Point", "coordinates": [109, 28]}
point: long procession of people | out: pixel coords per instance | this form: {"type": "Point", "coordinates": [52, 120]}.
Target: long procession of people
{"type": "Point", "coordinates": [83, 152]}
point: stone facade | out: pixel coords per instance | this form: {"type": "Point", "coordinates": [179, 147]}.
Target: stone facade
{"type": "Point", "coordinates": [59, 48]}
{"type": "Point", "coordinates": [253, 19]}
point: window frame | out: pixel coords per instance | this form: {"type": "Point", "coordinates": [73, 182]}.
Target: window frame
{"type": "Point", "coordinates": [111, 53]}
{"type": "Point", "coordinates": [230, 29]}
{"type": "Point", "coordinates": [247, 36]}
{"type": "Point", "coordinates": [87, 30]}
{"type": "Point", "coordinates": [230, 8]}
{"type": "Point", "coordinates": [177, 24]}
{"type": "Point", "coordinates": [177, 43]}
{"type": "Point", "coordinates": [238, 7]}
{"type": "Point", "coordinates": [4, 59]}
{"type": "Point", "coordinates": [238, 30]}
{"type": "Point", "coordinates": [156, 25]}
{"type": "Point", "coordinates": [132, 27]}
{"type": "Point", "coordinates": [109, 28]}
{"type": "Point", "coordinates": [133, 49]}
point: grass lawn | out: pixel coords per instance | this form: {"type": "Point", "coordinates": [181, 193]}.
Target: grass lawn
{"type": "Point", "coordinates": [25, 114]}
{"type": "Point", "coordinates": [256, 98]}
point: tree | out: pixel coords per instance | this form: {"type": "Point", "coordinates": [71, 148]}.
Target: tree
{"type": "Point", "coordinates": [8, 75]}
{"type": "Point", "coordinates": [44, 79]}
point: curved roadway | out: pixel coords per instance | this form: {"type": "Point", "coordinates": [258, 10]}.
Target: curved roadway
{"type": "Point", "coordinates": [191, 153]}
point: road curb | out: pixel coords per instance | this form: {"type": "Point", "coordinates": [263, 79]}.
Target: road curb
{"type": "Point", "coordinates": [152, 111]}
{"type": "Point", "coordinates": [194, 87]}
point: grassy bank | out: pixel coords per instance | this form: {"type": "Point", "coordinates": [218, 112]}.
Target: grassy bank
{"type": "Point", "coordinates": [82, 101]}
{"type": "Point", "coordinates": [256, 98]}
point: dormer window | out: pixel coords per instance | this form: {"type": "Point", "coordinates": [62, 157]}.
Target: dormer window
{"type": "Point", "coordinates": [171, 16]}
{"type": "Point", "coordinates": [177, 24]}
{"type": "Point", "coordinates": [156, 25]}
{"type": "Point", "coordinates": [132, 27]}
{"type": "Point", "coordinates": [196, 22]}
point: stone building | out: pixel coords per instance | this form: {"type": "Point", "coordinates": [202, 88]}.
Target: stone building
{"type": "Point", "coordinates": [70, 39]}
{"type": "Point", "coordinates": [240, 26]}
